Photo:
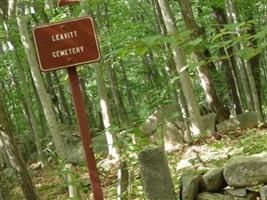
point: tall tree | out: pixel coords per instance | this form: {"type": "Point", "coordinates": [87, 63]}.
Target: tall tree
{"type": "Point", "coordinates": [206, 81]}
{"type": "Point", "coordinates": [105, 109]}
{"type": "Point", "coordinates": [181, 65]}
{"type": "Point", "coordinates": [46, 102]}
{"type": "Point", "coordinates": [9, 146]}
{"type": "Point", "coordinates": [227, 61]}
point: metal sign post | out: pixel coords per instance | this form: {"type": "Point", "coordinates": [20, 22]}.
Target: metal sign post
{"type": "Point", "coordinates": [67, 2]}
{"type": "Point", "coordinates": [65, 45]}
{"type": "Point", "coordinates": [85, 132]}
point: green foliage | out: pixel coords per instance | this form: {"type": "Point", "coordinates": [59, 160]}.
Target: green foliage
{"type": "Point", "coordinates": [253, 142]}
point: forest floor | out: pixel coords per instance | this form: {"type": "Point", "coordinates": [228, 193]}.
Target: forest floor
{"type": "Point", "coordinates": [206, 152]}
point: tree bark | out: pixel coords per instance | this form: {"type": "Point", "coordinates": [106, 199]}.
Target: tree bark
{"type": "Point", "coordinates": [241, 64]}
{"type": "Point", "coordinates": [4, 190]}
{"type": "Point", "coordinates": [113, 153]}
{"type": "Point", "coordinates": [176, 93]}
{"type": "Point", "coordinates": [47, 105]}
{"type": "Point", "coordinates": [206, 81]}
{"type": "Point", "coordinates": [64, 104]}
{"type": "Point", "coordinates": [228, 64]}
{"type": "Point", "coordinates": [105, 110]}
{"type": "Point", "coordinates": [181, 65]}
{"type": "Point", "coordinates": [10, 148]}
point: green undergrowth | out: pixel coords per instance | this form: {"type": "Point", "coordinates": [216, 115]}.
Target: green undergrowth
{"type": "Point", "coordinates": [205, 153]}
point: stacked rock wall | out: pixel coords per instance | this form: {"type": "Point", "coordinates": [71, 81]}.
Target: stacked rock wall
{"type": "Point", "coordinates": [242, 178]}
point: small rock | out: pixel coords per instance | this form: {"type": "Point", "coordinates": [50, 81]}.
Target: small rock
{"type": "Point", "coordinates": [218, 196]}
{"type": "Point", "coordinates": [209, 122]}
{"type": "Point", "coordinates": [253, 196]}
{"type": "Point", "coordinates": [263, 192]}
{"type": "Point", "coordinates": [230, 124]}
{"type": "Point", "coordinates": [213, 180]}
{"type": "Point", "coordinates": [190, 183]}
{"type": "Point", "coordinates": [76, 154]}
{"type": "Point", "coordinates": [238, 192]}
{"type": "Point", "coordinates": [248, 120]}
{"type": "Point", "coordinates": [212, 196]}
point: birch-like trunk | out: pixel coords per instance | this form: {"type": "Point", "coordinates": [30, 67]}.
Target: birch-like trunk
{"type": "Point", "coordinates": [46, 102]}
{"type": "Point", "coordinates": [229, 63]}
{"type": "Point", "coordinates": [105, 110]}
{"type": "Point", "coordinates": [171, 72]}
{"type": "Point", "coordinates": [206, 81]}
{"type": "Point", "coordinates": [181, 65]}
{"type": "Point", "coordinates": [112, 151]}
{"type": "Point", "coordinates": [233, 18]}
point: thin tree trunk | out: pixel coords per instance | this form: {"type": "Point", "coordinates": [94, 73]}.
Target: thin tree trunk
{"type": "Point", "coordinates": [4, 190]}
{"type": "Point", "coordinates": [53, 96]}
{"type": "Point", "coordinates": [128, 88]}
{"type": "Point", "coordinates": [12, 151]}
{"type": "Point", "coordinates": [205, 78]}
{"type": "Point", "coordinates": [119, 105]}
{"type": "Point", "coordinates": [28, 107]}
{"type": "Point", "coordinates": [88, 104]}
{"type": "Point", "coordinates": [112, 151]}
{"type": "Point", "coordinates": [181, 65]}
{"type": "Point", "coordinates": [176, 93]}
{"type": "Point", "coordinates": [228, 64]}
{"type": "Point", "coordinates": [47, 105]}
{"type": "Point", "coordinates": [26, 99]}
{"type": "Point", "coordinates": [62, 98]}
{"type": "Point", "coordinates": [233, 18]}
{"type": "Point", "coordinates": [105, 110]}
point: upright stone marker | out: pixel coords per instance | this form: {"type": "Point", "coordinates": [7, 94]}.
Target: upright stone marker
{"type": "Point", "coordinates": [67, 44]}
{"type": "Point", "coordinates": [156, 176]}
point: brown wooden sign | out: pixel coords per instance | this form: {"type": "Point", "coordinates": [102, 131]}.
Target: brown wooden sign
{"type": "Point", "coordinates": [67, 2]}
{"type": "Point", "coordinates": [66, 44]}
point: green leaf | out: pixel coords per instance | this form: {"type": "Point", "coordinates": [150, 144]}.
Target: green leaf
{"type": "Point", "coordinates": [248, 53]}
{"type": "Point", "coordinates": [195, 42]}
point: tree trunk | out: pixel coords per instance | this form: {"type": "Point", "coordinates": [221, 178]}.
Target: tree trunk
{"type": "Point", "coordinates": [47, 105]}
{"type": "Point", "coordinates": [53, 96]}
{"type": "Point", "coordinates": [63, 100]}
{"type": "Point", "coordinates": [89, 104]}
{"type": "Point", "coordinates": [10, 148]}
{"type": "Point", "coordinates": [128, 88]}
{"type": "Point", "coordinates": [181, 65]}
{"type": "Point", "coordinates": [112, 151]}
{"type": "Point", "coordinates": [176, 93]}
{"type": "Point", "coordinates": [119, 105]}
{"type": "Point", "coordinates": [4, 190]}
{"type": "Point", "coordinates": [228, 64]}
{"type": "Point", "coordinates": [233, 18]}
{"type": "Point", "coordinates": [28, 106]}
{"type": "Point", "coordinates": [26, 99]}
{"type": "Point", "coordinates": [205, 79]}
{"type": "Point", "coordinates": [105, 110]}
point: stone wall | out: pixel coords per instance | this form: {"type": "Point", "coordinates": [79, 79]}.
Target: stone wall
{"type": "Point", "coordinates": [242, 178]}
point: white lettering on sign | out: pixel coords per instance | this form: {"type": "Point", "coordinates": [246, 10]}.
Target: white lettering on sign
{"type": "Point", "coordinates": [67, 52]}
{"type": "Point", "coordinates": [64, 36]}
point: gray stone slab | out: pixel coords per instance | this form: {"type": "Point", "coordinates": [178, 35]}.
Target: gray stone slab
{"type": "Point", "coordinates": [155, 174]}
